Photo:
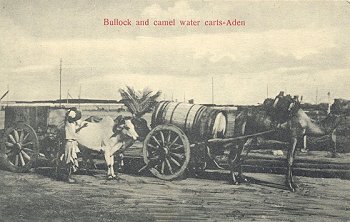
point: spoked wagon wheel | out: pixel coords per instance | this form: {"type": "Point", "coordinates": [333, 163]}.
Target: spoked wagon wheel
{"type": "Point", "coordinates": [21, 147]}
{"type": "Point", "coordinates": [166, 151]}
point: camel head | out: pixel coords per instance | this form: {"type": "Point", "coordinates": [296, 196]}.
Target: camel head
{"type": "Point", "coordinates": [282, 108]}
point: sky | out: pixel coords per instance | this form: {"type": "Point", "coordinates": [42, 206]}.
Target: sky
{"type": "Point", "coordinates": [300, 47]}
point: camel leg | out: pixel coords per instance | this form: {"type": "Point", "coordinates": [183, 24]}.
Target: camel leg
{"type": "Point", "coordinates": [121, 161]}
{"type": "Point", "coordinates": [236, 161]}
{"type": "Point", "coordinates": [290, 158]}
{"type": "Point", "coordinates": [234, 157]}
{"type": "Point", "coordinates": [304, 141]}
{"type": "Point", "coordinates": [241, 178]}
{"type": "Point", "coordinates": [334, 143]}
{"type": "Point", "coordinates": [249, 145]}
{"type": "Point", "coordinates": [291, 173]}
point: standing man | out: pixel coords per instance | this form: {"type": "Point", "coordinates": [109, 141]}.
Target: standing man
{"type": "Point", "coordinates": [71, 147]}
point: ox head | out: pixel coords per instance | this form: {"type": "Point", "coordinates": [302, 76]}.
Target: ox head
{"type": "Point", "coordinates": [125, 126]}
{"type": "Point", "coordinates": [141, 127]}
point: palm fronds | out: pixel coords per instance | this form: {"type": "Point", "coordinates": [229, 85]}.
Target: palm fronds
{"type": "Point", "coordinates": [139, 102]}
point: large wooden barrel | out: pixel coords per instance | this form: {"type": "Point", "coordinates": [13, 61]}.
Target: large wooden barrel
{"type": "Point", "coordinates": [199, 122]}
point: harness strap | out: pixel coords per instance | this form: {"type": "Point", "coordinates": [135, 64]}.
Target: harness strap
{"type": "Point", "coordinates": [228, 140]}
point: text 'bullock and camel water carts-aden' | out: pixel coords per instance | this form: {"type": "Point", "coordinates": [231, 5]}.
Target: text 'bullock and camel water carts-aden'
{"type": "Point", "coordinates": [180, 139]}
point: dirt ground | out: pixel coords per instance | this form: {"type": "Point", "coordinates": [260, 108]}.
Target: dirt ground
{"type": "Point", "coordinates": [37, 197]}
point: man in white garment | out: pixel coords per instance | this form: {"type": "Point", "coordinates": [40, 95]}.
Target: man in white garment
{"type": "Point", "coordinates": [72, 126]}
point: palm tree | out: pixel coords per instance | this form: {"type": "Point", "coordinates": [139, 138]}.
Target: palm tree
{"type": "Point", "coordinates": [139, 102]}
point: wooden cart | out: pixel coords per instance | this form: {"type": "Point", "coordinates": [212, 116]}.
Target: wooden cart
{"type": "Point", "coordinates": [30, 132]}
{"type": "Point", "coordinates": [179, 139]}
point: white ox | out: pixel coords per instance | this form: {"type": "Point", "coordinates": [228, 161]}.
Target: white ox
{"type": "Point", "coordinates": [107, 136]}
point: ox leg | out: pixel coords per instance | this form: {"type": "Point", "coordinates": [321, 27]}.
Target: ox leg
{"type": "Point", "coordinates": [109, 151]}
{"type": "Point", "coordinates": [114, 174]}
{"type": "Point", "coordinates": [116, 149]}
{"type": "Point", "coordinates": [87, 161]}
{"type": "Point", "coordinates": [112, 167]}
{"type": "Point", "coordinates": [290, 158]}
{"type": "Point", "coordinates": [109, 164]}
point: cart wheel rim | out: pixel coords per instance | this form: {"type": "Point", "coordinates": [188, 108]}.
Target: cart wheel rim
{"type": "Point", "coordinates": [166, 151]}
{"type": "Point", "coordinates": [21, 146]}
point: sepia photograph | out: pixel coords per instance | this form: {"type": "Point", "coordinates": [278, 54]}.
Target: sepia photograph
{"type": "Point", "coordinates": [174, 110]}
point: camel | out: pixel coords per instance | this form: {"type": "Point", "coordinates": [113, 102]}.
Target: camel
{"type": "Point", "coordinates": [289, 123]}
